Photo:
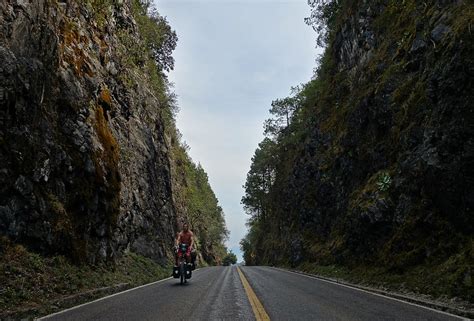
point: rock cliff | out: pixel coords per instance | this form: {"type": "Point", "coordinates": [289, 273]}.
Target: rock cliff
{"type": "Point", "coordinates": [86, 130]}
{"type": "Point", "coordinates": [375, 168]}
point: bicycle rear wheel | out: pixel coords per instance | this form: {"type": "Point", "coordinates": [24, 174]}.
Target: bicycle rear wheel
{"type": "Point", "coordinates": [182, 272]}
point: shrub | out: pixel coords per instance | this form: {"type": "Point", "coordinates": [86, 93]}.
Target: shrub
{"type": "Point", "coordinates": [384, 182]}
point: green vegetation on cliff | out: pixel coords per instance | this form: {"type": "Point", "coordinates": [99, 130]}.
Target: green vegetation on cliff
{"type": "Point", "coordinates": [199, 206]}
{"type": "Point", "coordinates": [368, 167]}
{"type": "Point", "coordinates": [195, 200]}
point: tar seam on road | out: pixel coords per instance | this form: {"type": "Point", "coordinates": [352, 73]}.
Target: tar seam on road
{"type": "Point", "coordinates": [257, 307]}
{"type": "Point", "coordinates": [373, 293]}
{"type": "Point", "coordinates": [105, 297]}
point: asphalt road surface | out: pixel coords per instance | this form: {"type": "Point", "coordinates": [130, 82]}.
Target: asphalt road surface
{"type": "Point", "coordinates": [218, 293]}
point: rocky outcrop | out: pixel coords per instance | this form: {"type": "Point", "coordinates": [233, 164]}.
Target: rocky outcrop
{"type": "Point", "coordinates": [84, 160]}
{"type": "Point", "coordinates": [398, 147]}
{"type": "Point", "coordinates": [376, 167]}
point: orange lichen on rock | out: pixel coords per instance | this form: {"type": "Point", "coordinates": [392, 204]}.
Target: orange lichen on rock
{"type": "Point", "coordinates": [110, 147]}
{"type": "Point", "coordinates": [105, 98]}
{"type": "Point", "coordinates": [72, 49]}
{"type": "Point", "coordinates": [107, 164]}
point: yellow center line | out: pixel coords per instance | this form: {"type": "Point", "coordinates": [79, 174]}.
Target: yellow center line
{"type": "Point", "coordinates": [257, 307]}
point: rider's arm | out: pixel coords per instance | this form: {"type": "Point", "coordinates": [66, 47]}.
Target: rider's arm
{"type": "Point", "coordinates": [192, 240]}
{"type": "Point", "coordinates": [178, 237]}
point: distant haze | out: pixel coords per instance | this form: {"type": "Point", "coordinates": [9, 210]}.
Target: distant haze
{"type": "Point", "coordinates": [233, 58]}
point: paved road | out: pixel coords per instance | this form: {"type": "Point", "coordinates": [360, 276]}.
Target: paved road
{"type": "Point", "coordinates": [217, 293]}
{"type": "Point", "coordinates": [290, 296]}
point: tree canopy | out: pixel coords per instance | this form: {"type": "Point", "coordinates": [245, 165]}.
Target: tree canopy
{"type": "Point", "coordinates": [229, 259]}
{"type": "Point", "coordinates": [159, 38]}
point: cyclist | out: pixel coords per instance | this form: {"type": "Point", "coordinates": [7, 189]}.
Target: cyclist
{"type": "Point", "coordinates": [185, 237]}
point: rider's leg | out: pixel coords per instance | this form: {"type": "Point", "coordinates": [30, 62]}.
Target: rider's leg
{"type": "Point", "coordinates": [188, 255]}
{"type": "Point", "coordinates": [193, 258]}
{"type": "Point", "coordinates": [178, 256]}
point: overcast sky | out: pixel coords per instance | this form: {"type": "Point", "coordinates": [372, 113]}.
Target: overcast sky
{"type": "Point", "coordinates": [233, 58]}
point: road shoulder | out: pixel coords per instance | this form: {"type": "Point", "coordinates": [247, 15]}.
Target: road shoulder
{"type": "Point", "coordinates": [429, 304]}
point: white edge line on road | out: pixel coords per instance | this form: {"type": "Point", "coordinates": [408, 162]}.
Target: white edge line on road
{"type": "Point", "coordinates": [105, 297]}
{"type": "Point", "coordinates": [373, 293]}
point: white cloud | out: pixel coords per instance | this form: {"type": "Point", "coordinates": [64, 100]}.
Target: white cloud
{"type": "Point", "coordinates": [233, 58]}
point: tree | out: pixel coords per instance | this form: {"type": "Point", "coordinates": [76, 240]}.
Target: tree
{"type": "Point", "coordinates": [202, 209]}
{"type": "Point", "coordinates": [159, 38]}
{"type": "Point", "coordinates": [283, 111]}
{"type": "Point", "coordinates": [229, 259]}
{"type": "Point", "coordinates": [322, 18]}
{"type": "Point", "coordinates": [260, 178]}
{"type": "Point", "coordinates": [270, 169]}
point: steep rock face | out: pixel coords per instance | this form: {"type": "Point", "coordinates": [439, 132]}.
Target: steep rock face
{"type": "Point", "coordinates": [406, 158]}
{"type": "Point", "coordinates": [376, 167]}
{"type": "Point", "coordinates": [394, 145]}
{"type": "Point", "coordinates": [84, 161]}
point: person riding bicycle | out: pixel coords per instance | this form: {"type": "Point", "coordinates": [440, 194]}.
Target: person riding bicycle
{"type": "Point", "coordinates": [185, 237]}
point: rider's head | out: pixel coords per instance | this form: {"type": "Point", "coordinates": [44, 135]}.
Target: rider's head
{"type": "Point", "coordinates": [185, 227]}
